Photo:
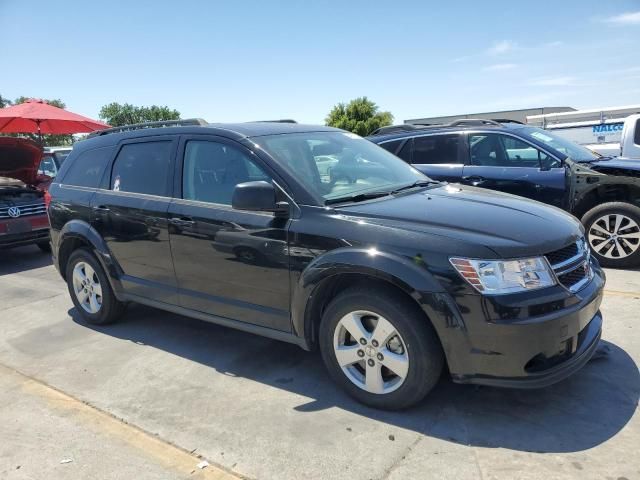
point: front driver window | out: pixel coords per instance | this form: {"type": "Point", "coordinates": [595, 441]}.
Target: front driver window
{"type": "Point", "coordinates": [212, 170]}
{"type": "Point", "coordinates": [496, 150]}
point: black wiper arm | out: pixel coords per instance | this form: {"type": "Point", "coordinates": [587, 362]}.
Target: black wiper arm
{"type": "Point", "coordinates": [417, 183]}
{"type": "Point", "coordinates": [358, 197]}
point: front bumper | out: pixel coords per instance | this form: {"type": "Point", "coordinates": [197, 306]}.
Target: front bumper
{"type": "Point", "coordinates": [529, 341]}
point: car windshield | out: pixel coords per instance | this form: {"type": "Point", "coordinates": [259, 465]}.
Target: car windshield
{"type": "Point", "coordinates": [573, 150]}
{"type": "Point", "coordinates": [339, 165]}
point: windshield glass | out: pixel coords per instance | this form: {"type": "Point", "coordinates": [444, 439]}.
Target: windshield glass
{"type": "Point", "coordinates": [334, 165]}
{"type": "Point", "coordinates": [573, 150]}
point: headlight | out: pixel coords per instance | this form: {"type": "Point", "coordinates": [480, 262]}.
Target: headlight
{"type": "Point", "coordinates": [497, 277]}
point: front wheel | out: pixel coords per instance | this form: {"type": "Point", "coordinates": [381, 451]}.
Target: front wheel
{"type": "Point", "coordinates": [380, 348]}
{"type": "Point", "coordinates": [613, 233]}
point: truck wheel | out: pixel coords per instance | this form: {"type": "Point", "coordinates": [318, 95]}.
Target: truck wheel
{"type": "Point", "coordinates": [613, 233]}
{"type": "Point", "coordinates": [90, 290]}
{"type": "Point", "coordinates": [380, 348]}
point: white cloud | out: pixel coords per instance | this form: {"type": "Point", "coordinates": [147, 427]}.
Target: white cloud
{"type": "Point", "coordinates": [630, 18]}
{"type": "Point", "coordinates": [554, 82]}
{"type": "Point", "coordinates": [502, 47]}
{"type": "Point", "coordinates": [499, 67]}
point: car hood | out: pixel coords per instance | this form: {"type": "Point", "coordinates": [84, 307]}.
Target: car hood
{"type": "Point", "coordinates": [20, 159]}
{"type": "Point", "coordinates": [509, 225]}
{"type": "Point", "coordinates": [617, 166]}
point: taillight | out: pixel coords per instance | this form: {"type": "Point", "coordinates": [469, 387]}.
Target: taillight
{"type": "Point", "coordinates": [47, 198]}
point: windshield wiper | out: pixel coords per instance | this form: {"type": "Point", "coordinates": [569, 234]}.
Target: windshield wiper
{"type": "Point", "coordinates": [417, 183]}
{"type": "Point", "coordinates": [358, 197]}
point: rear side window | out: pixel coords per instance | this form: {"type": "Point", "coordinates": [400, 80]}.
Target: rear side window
{"type": "Point", "coordinates": [142, 168]}
{"type": "Point", "coordinates": [405, 151]}
{"type": "Point", "coordinates": [87, 168]}
{"type": "Point", "coordinates": [435, 149]}
{"type": "Point", "coordinates": [392, 146]}
{"type": "Point", "coordinates": [636, 140]}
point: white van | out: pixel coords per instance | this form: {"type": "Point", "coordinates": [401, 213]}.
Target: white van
{"type": "Point", "coordinates": [609, 132]}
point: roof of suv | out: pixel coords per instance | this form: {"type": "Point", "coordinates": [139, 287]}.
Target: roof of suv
{"type": "Point", "coordinates": [419, 130]}
{"type": "Point", "coordinates": [235, 131]}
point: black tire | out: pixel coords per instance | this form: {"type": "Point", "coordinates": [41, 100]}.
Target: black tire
{"type": "Point", "coordinates": [111, 308]}
{"type": "Point", "coordinates": [594, 216]}
{"type": "Point", "coordinates": [426, 358]}
{"type": "Point", "coordinates": [44, 246]}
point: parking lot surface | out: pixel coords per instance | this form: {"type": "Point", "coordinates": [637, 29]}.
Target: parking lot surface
{"type": "Point", "coordinates": [154, 395]}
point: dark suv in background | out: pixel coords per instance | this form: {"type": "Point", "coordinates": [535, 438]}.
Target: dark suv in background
{"type": "Point", "coordinates": [603, 192]}
{"type": "Point", "coordinates": [318, 237]}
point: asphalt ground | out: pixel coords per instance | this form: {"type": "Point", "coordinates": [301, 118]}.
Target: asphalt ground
{"type": "Point", "coordinates": [155, 395]}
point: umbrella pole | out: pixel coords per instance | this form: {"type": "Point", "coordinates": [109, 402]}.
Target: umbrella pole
{"type": "Point", "coordinates": [39, 133]}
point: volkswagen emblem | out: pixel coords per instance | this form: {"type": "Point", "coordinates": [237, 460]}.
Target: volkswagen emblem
{"type": "Point", "coordinates": [14, 212]}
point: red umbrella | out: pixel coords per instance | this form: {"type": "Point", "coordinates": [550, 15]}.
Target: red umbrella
{"type": "Point", "coordinates": [37, 116]}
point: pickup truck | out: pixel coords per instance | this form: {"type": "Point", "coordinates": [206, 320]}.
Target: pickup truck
{"type": "Point", "coordinates": [603, 192]}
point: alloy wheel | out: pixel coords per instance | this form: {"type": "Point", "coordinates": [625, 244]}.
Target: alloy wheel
{"type": "Point", "coordinates": [371, 352]}
{"type": "Point", "coordinates": [87, 288]}
{"type": "Point", "coordinates": [614, 236]}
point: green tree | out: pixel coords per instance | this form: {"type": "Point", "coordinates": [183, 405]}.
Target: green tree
{"type": "Point", "coordinates": [5, 102]}
{"type": "Point", "coordinates": [118, 115]}
{"type": "Point", "coordinates": [360, 116]}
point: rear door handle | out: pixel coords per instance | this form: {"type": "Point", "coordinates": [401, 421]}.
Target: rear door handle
{"type": "Point", "coordinates": [101, 209]}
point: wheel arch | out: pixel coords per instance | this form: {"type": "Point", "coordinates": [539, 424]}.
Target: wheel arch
{"type": "Point", "coordinates": [79, 234]}
{"type": "Point", "coordinates": [335, 271]}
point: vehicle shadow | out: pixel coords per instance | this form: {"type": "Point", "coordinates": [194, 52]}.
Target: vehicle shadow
{"type": "Point", "coordinates": [23, 258]}
{"type": "Point", "coordinates": [574, 415]}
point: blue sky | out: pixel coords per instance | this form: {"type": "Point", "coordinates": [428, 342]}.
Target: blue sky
{"type": "Point", "coordinates": [247, 60]}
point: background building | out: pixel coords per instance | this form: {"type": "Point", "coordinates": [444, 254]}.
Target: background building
{"type": "Point", "coordinates": [517, 115]}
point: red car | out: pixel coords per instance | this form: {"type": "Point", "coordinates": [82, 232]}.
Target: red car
{"type": "Point", "coordinates": [23, 195]}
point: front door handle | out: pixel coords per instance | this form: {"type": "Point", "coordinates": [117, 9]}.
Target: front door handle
{"type": "Point", "coordinates": [101, 209]}
{"type": "Point", "coordinates": [474, 180]}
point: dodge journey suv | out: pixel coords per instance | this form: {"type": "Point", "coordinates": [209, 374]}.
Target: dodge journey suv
{"type": "Point", "coordinates": [315, 236]}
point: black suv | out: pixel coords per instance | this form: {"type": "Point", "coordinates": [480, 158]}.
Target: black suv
{"type": "Point", "coordinates": [318, 237]}
{"type": "Point", "coordinates": [603, 192]}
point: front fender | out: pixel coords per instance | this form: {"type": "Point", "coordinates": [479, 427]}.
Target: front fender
{"type": "Point", "coordinates": [410, 276]}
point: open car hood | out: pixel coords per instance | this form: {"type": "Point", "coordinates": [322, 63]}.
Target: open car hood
{"type": "Point", "coordinates": [20, 159]}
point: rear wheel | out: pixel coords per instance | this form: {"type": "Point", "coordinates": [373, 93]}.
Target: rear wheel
{"type": "Point", "coordinates": [613, 233]}
{"type": "Point", "coordinates": [90, 290]}
{"type": "Point", "coordinates": [380, 348]}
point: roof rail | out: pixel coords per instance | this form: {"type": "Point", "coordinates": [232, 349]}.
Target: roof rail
{"type": "Point", "coordinates": [284, 120]}
{"type": "Point", "coordinates": [404, 127]}
{"type": "Point", "coordinates": [507, 120]}
{"type": "Point", "coordinates": [473, 121]}
{"type": "Point", "coordinates": [160, 124]}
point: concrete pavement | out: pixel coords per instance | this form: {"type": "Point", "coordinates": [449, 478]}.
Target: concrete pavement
{"type": "Point", "coordinates": [264, 409]}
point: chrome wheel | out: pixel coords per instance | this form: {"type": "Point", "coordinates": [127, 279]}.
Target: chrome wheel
{"type": "Point", "coordinates": [86, 286]}
{"type": "Point", "coordinates": [614, 236]}
{"type": "Point", "coordinates": [370, 352]}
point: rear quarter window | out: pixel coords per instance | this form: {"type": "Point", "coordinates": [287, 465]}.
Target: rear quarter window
{"type": "Point", "coordinates": [86, 168]}
{"type": "Point", "coordinates": [636, 138]}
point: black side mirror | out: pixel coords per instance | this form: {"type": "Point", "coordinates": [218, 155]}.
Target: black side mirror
{"type": "Point", "coordinates": [258, 197]}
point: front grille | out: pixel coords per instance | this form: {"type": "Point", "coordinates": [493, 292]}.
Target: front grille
{"type": "Point", "coordinates": [24, 210]}
{"type": "Point", "coordinates": [571, 264]}
{"type": "Point", "coordinates": [563, 254]}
